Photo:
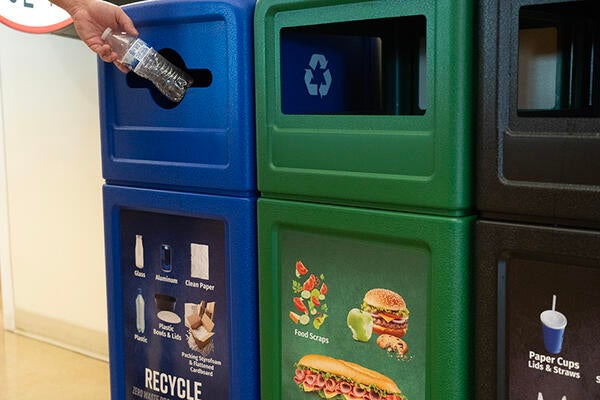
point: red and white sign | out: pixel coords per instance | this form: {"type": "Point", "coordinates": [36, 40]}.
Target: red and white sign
{"type": "Point", "coordinates": [33, 16]}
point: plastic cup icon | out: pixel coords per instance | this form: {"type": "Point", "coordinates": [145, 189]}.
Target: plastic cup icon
{"type": "Point", "coordinates": [553, 326]}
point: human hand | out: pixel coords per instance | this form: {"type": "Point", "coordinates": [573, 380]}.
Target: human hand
{"type": "Point", "coordinates": [91, 18]}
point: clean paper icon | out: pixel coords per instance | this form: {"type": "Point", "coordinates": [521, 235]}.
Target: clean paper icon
{"type": "Point", "coordinates": [199, 261]}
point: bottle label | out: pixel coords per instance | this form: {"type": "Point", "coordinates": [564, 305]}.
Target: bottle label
{"type": "Point", "coordinates": [136, 53]}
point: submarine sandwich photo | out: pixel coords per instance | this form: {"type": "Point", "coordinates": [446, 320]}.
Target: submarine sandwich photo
{"type": "Point", "coordinates": [330, 378]}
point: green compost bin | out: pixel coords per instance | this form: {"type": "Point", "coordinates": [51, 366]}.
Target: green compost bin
{"type": "Point", "coordinates": [366, 102]}
{"type": "Point", "coordinates": [316, 265]}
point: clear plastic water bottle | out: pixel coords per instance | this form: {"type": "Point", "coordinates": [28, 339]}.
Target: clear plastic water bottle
{"type": "Point", "coordinates": [146, 62]}
{"type": "Point", "coordinates": [140, 305]}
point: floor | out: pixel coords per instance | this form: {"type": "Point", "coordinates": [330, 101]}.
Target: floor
{"type": "Point", "coordinates": [30, 369]}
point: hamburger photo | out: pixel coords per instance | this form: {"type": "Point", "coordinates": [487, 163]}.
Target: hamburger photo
{"type": "Point", "coordinates": [330, 378]}
{"type": "Point", "coordinates": [388, 310]}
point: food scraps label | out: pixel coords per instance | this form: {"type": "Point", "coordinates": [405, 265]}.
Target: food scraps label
{"type": "Point", "coordinates": [324, 281]}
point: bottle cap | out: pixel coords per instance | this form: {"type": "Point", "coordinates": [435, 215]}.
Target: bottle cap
{"type": "Point", "coordinates": [105, 34]}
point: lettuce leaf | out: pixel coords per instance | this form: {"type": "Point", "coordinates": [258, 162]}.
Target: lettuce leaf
{"type": "Point", "coordinates": [372, 309]}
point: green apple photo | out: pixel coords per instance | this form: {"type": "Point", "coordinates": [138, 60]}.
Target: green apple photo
{"type": "Point", "coordinates": [361, 324]}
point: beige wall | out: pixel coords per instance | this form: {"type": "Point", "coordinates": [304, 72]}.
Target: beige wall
{"type": "Point", "coordinates": [50, 127]}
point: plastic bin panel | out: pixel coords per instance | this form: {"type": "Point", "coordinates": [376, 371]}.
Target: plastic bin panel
{"type": "Point", "coordinates": [191, 259]}
{"type": "Point", "coordinates": [361, 103]}
{"type": "Point", "coordinates": [206, 141]}
{"type": "Point", "coordinates": [539, 111]}
{"type": "Point", "coordinates": [317, 262]}
{"type": "Point", "coordinates": [519, 270]}
{"type": "Point", "coordinates": [348, 59]}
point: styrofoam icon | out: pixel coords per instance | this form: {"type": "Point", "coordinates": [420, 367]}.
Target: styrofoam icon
{"type": "Point", "coordinates": [317, 61]}
{"type": "Point", "coordinates": [199, 261]}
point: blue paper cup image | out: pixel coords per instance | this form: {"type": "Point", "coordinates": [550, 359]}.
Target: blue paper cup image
{"type": "Point", "coordinates": [553, 326]}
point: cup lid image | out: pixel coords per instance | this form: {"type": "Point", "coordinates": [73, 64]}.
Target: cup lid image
{"type": "Point", "coordinates": [553, 319]}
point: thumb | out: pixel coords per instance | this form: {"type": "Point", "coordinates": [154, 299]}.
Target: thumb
{"type": "Point", "coordinates": [127, 24]}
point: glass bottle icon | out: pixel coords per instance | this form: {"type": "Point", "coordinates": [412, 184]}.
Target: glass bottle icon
{"type": "Point", "coordinates": [139, 251]}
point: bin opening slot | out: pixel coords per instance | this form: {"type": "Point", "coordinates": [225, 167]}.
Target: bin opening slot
{"type": "Point", "coordinates": [366, 67]}
{"type": "Point", "coordinates": [559, 60]}
{"type": "Point", "coordinates": [202, 79]}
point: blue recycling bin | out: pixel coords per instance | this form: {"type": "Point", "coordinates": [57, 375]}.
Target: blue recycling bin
{"type": "Point", "coordinates": [205, 143]}
{"type": "Point", "coordinates": [182, 295]}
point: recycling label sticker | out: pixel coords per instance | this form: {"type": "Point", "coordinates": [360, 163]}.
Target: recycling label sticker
{"type": "Point", "coordinates": [175, 336]}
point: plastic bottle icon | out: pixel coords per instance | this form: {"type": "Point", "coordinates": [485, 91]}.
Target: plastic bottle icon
{"type": "Point", "coordinates": [139, 251]}
{"type": "Point", "coordinates": [146, 62]}
{"type": "Point", "coordinates": [140, 322]}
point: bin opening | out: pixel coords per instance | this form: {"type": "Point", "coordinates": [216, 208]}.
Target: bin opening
{"type": "Point", "coordinates": [367, 67]}
{"type": "Point", "coordinates": [202, 78]}
{"type": "Point", "coordinates": [559, 60]}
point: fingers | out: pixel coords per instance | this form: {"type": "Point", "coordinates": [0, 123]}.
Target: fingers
{"type": "Point", "coordinates": [107, 55]}
{"type": "Point", "coordinates": [104, 52]}
{"type": "Point", "coordinates": [121, 67]}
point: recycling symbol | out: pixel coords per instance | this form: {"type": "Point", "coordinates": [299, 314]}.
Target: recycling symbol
{"type": "Point", "coordinates": [318, 62]}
